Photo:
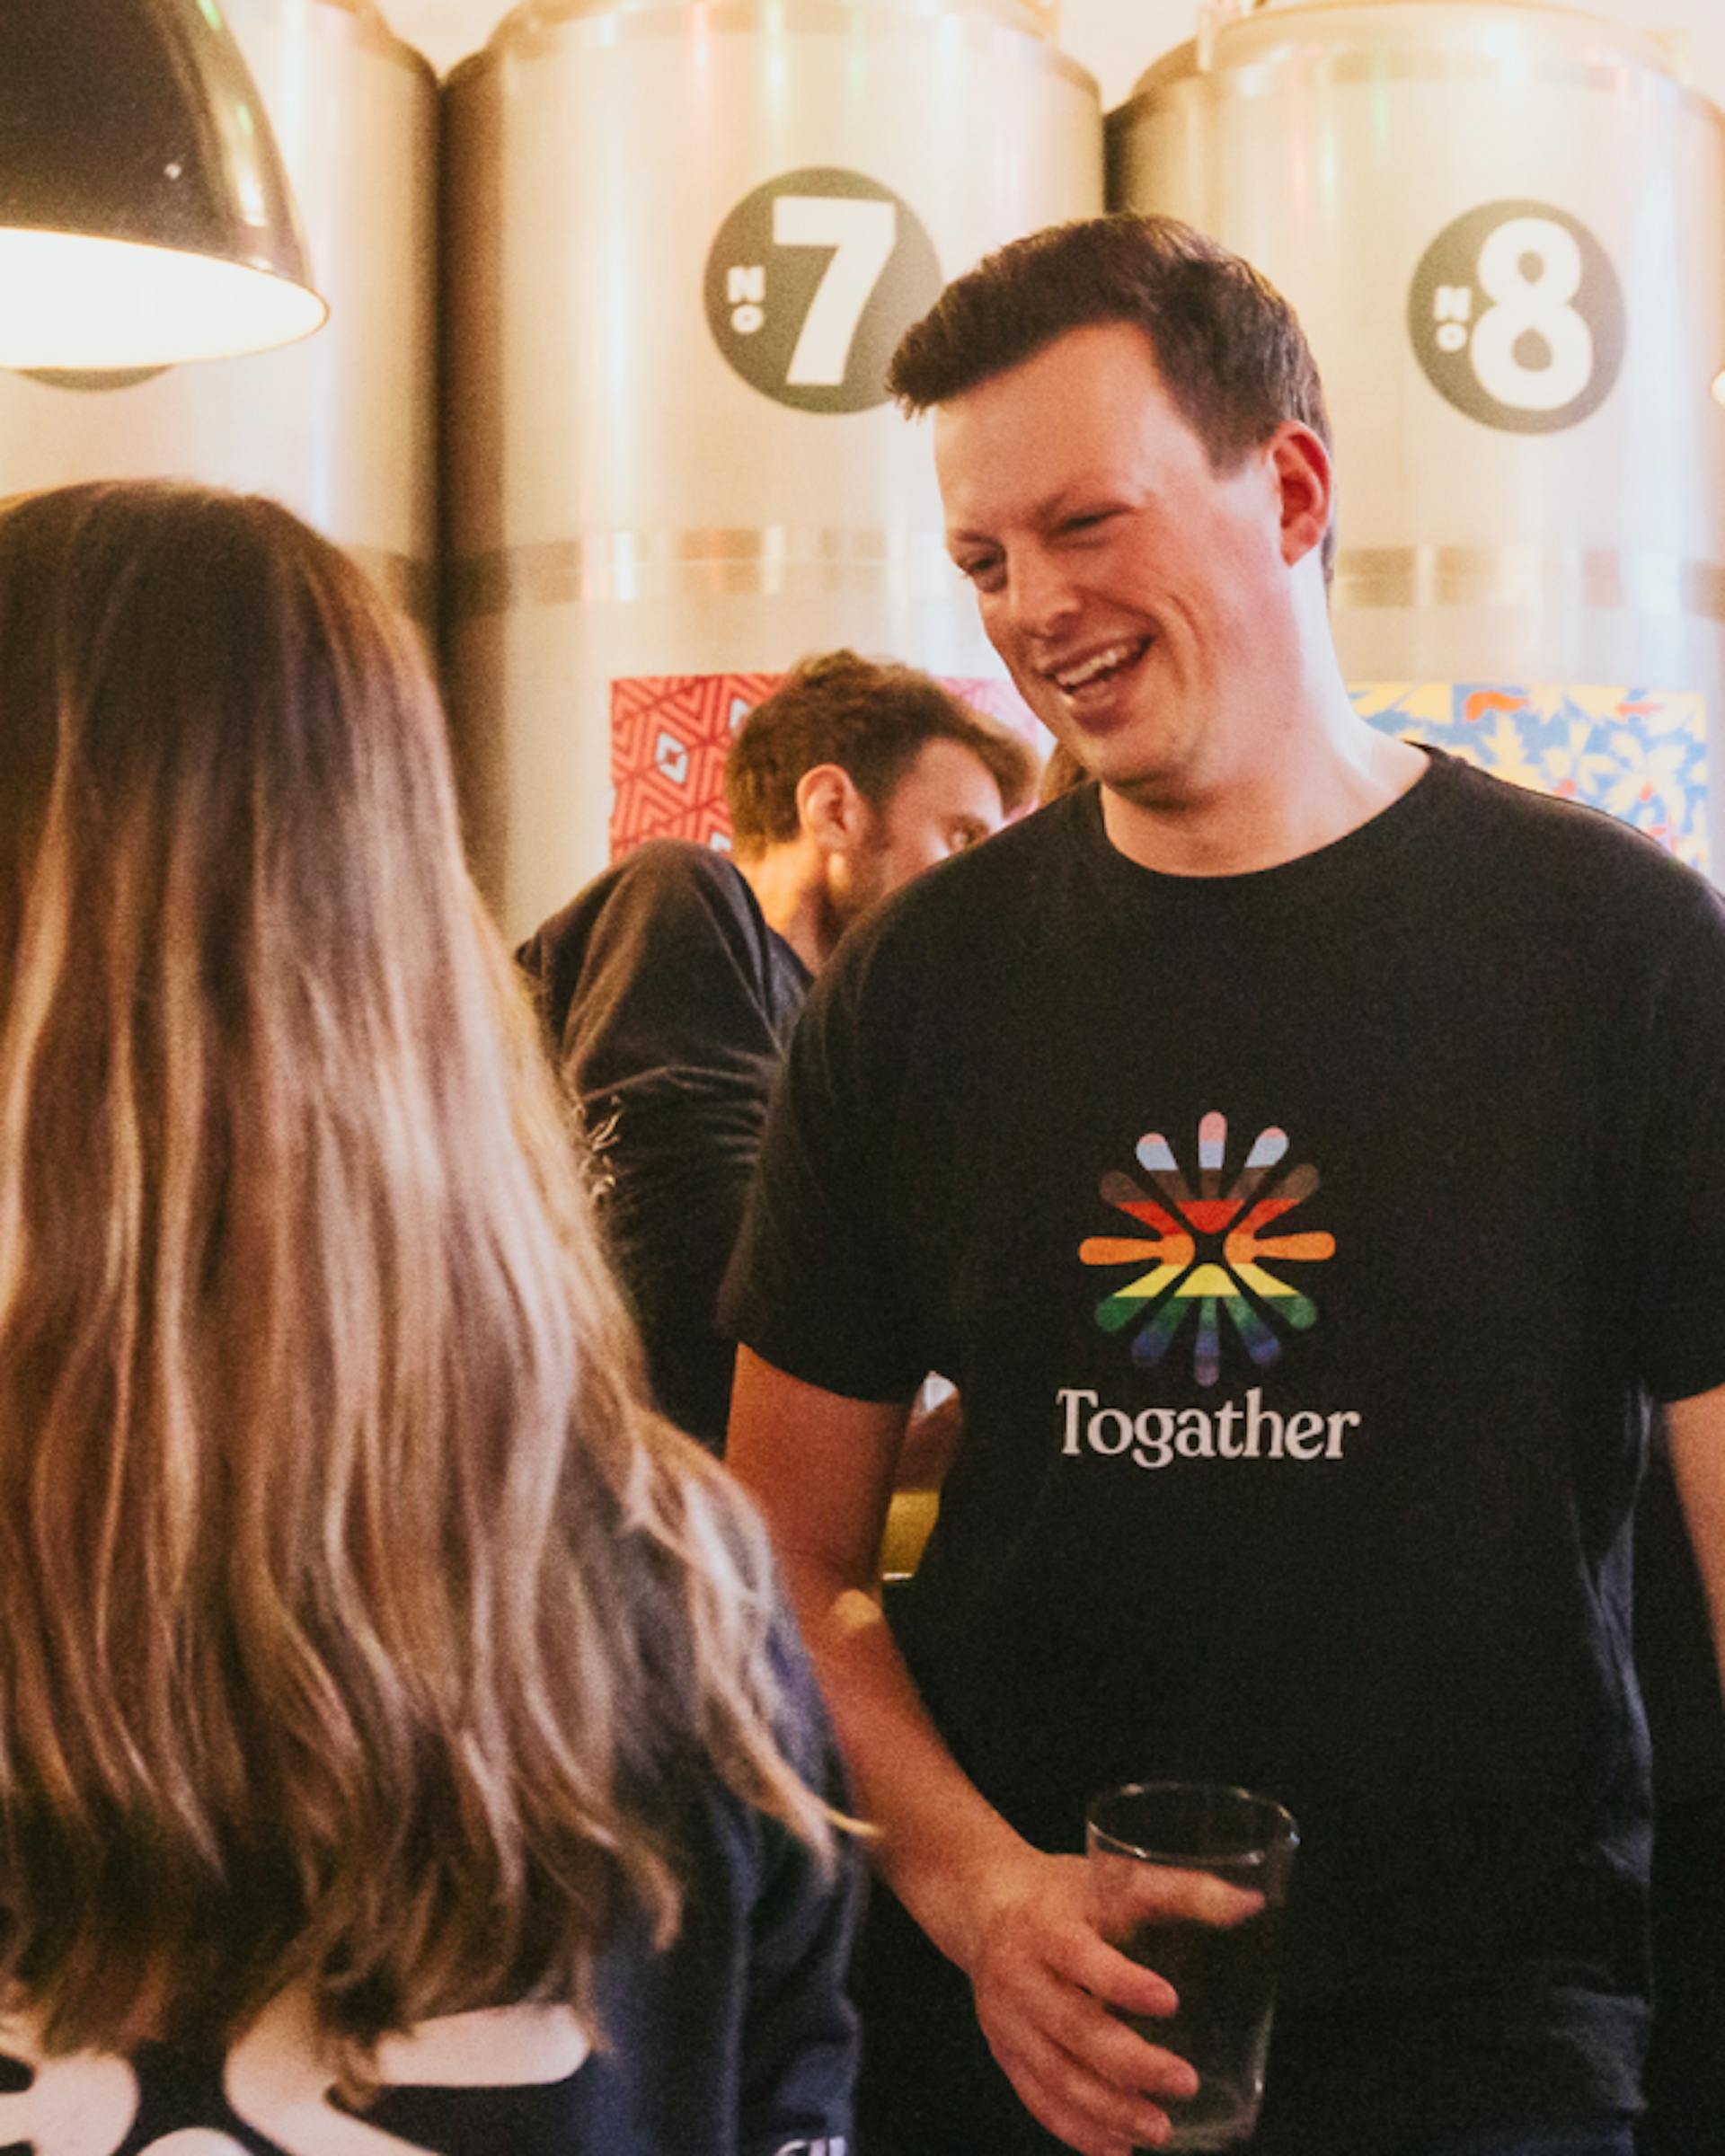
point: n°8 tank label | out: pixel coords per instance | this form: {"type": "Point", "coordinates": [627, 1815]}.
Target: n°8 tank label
{"type": "Point", "coordinates": [1518, 317]}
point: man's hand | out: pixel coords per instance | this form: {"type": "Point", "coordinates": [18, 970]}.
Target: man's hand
{"type": "Point", "coordinates": [1045, 1980]}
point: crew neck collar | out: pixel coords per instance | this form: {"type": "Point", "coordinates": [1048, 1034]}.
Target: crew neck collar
{"type": "Point", "coordinates": [1338, 860]}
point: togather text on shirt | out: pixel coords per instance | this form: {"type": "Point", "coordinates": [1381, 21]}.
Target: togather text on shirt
{"type": "Point", "coordinates": [1235, 1430]}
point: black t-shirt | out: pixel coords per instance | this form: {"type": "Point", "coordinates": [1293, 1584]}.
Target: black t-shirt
{"type": "Point", "coordinates": [1304, 1245]}
{"type": "Point", "coordinates": [737, 2040]}
{"type": "Point", "coordinates": [668, 1001]}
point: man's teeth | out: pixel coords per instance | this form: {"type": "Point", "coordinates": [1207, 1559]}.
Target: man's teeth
{"type": "Point", "coordinates": [1103, 662]}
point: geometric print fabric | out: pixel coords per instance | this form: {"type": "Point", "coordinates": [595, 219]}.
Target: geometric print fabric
{"type": "Point", "coordinates": [670, 733]}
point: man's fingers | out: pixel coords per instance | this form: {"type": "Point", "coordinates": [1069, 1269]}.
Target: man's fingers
{"type": "Point", "coordinates": [1128, 1893]}
{"type": "Point", "coordinates": [1049, 2104]}
{"type": "Point", "coordinates": [1085, 2110]}
{"type": "Point", "coordinates": [1069, 2039]}
{"type": "Point", "coordinates": [1109, 2049]}
{"type": "Point", "coordinates": [1078, 1955]}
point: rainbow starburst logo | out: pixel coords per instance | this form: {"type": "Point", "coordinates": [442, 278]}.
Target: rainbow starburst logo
{"type": "Point", "coordinates": [1209, 1251]}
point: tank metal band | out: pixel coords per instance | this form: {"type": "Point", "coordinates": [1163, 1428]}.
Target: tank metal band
{"type": "Point", "coordinates": [1593, 577]}
{"type": "Point", "coordinates": [770, 561]}
{"type": "Point", "coordinates": [774, 560]}
{"type": "Point", "coordinates": [412, 585]}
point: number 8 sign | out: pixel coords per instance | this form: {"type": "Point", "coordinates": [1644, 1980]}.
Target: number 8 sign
{"type": "Point", "coordinates": [1518, 317]}
{"type": "Point", "coordinates": [812, 282]}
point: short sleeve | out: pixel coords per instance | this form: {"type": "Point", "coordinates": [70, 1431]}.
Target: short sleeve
{"type": "Point", "coordinates": [817, 1286]}
{"type": "Point", "coordinates": [1679, 1193]}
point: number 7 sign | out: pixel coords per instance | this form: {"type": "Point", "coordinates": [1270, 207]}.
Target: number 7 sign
{"type": "Point", "coordinates": [862, 235]}
{"type": "Point", "coordinates": [810, 282]}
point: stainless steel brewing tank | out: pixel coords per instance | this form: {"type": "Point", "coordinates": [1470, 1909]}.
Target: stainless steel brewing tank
{"type": "Point", "coordinates": [681, 240]}
{"type": "Point", "coordinates": [1503, 227]}
{"type": "Point", "coordinates": [339, 426]}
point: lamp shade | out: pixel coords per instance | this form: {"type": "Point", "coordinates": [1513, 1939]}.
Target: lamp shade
{"type": "Point", "coordinates": [146, 215]}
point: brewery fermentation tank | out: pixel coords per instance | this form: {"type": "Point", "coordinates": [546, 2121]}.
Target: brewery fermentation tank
{"type": "Point", "coordinates": [681, 241]}
{"type": "Point", "coordinates": [1503, 227]}
{"type": "Point", "coordinates": [339, 427]}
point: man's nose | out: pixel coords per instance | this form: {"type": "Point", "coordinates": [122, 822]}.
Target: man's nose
{"type": "Point", "coordinates": [1040, 598]}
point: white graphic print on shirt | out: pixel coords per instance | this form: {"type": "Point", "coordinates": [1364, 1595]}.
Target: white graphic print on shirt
{"type": "Point", "coordinates": [85, 2105]}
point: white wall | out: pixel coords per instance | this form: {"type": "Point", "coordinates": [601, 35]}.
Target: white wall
{"type": "Point", "coordinates": [1116, 40]}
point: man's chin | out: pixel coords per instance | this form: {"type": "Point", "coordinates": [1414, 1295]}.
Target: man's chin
{"type": "Point", "coordinates": [1141, 781]}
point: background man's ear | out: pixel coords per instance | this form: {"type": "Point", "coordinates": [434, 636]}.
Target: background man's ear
{"type": "Point", "coordinates": [829, 809]}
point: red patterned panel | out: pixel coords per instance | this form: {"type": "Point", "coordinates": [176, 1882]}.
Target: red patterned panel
{"type": "Point", "coordinates": [670, 732]}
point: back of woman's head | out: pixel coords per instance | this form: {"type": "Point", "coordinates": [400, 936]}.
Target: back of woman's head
{"type": "Point", "coordinates": [355, 1615]}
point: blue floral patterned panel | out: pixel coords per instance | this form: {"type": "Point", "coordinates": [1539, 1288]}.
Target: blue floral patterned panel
{"type": "Point", "coordinates": [1639, 754]}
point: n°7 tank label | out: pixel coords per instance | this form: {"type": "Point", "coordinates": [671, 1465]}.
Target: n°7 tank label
{"type": "Point", "coordinates": [810, 282]}
{"type": "Point", "coordinates": [1518, 317]}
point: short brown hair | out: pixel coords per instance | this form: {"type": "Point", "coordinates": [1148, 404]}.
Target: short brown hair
{"type": "Point", "coordinates": [870, 717]}
{"type": "Point", "coordinates": [1227, 344]}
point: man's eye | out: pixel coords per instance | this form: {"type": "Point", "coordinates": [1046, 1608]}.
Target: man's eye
{"type": "Point", "coordinates": [1087, 521]}
{"type": "Point", "coordinates": [983, 569]}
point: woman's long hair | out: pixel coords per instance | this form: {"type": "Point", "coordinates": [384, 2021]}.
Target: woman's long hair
{"type": "Point", "coordinates": [357, 1621]}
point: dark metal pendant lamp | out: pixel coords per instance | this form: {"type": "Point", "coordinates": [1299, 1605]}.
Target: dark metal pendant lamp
{"type": "Point", "coordinates": [145, 214]}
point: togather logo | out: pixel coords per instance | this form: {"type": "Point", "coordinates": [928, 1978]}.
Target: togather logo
{"type": "Point", "coordinates": [1209, 1250]}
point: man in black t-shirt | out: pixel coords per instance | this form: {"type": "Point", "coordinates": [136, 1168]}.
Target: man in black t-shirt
{"type": "Point", "coordinates": [670, 983]}
{"type": "Point", "coordinates": [1307, 1156]}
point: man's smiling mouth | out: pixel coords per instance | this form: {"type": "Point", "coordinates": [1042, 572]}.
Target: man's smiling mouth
{"type": "Point", "coordinates": [1099, 666]}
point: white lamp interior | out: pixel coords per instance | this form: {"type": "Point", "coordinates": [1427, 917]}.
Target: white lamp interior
{"type": "Point", "coordinates": [68, 300]}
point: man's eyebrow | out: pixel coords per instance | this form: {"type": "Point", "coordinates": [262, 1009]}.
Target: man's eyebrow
{"type": "Point", "coordinates": [968, 535]}
{"type": "Point", "coordinates": [1058, 502]}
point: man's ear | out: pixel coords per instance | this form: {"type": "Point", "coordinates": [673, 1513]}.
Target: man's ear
{"type": "Point", "coordinates": [829, 809]}
{"type": "Point", "coordinates": [1306, 478]}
